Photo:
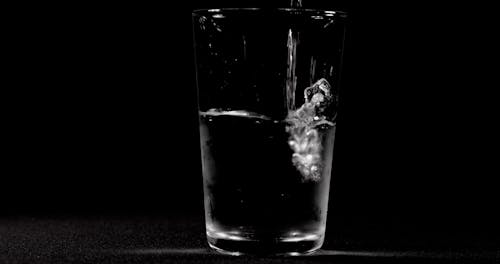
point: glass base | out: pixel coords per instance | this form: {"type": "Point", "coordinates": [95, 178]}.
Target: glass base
{"type": "Point", "coordinates": [295, 244]}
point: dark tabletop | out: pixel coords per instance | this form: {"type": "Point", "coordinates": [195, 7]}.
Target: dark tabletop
{"type": "Point", "coordinates": [180, 239]}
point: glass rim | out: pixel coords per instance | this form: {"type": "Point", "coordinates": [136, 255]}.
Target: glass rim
{"type": "Point", "coordinates": [295, 11]}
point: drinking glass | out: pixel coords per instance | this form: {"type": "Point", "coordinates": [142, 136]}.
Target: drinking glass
{"type": "Point", "coordinates": [268, 83]}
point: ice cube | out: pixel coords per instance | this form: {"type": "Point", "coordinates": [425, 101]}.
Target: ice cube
{"type": "Point", "coordinates": [319, 96]}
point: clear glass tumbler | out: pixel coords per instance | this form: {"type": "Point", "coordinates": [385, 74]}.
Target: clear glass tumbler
{"type": "Point", "coordinates": [267, 95]}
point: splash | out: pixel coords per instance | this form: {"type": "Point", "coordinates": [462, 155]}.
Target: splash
{"type": "Point", "coordinates": [304, 123]}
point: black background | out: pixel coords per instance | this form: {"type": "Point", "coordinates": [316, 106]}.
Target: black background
{"type": "Point", "coordinates": [105, 120]}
